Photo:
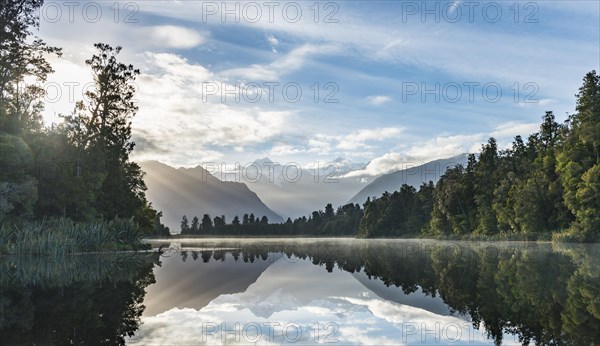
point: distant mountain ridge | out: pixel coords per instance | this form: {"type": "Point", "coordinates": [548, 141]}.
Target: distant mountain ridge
{"type": "Point", "coordinates": [414, 176]}
{"type": "Point", "coordinates": [295, 193]}
{"type": "Point", "coordinates": [195, 192]}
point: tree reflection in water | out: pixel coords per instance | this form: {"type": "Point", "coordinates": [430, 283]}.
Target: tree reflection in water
{"type": "Point", "coordinates": [82, 300]}
{"type": "Point", "coordinates": [540, 292]}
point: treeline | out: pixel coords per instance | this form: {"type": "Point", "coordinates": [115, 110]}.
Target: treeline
{"type": "Point", "coordinates": [545, 186]}
{"type": "Point", "coordinates": [341, 222]}
{"type": "Point", "coordinates": [79, 169]}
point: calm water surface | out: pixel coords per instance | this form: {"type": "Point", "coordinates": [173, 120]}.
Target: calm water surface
{"type": "Point", "coordinates": [307, 291]}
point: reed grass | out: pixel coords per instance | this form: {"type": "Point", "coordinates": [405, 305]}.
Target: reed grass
{"type": "Point", "coordinates": [64, 236]}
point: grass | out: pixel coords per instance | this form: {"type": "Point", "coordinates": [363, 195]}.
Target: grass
{"type": "Point", "coordinates": [64, 236]}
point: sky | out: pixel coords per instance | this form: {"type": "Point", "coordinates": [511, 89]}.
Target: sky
{"type": "Point", "coordinates": [377, 82]}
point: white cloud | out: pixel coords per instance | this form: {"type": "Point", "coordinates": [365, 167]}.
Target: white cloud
{"type": "Point", "coordinates": [291, 62]}
{"type": "Point", "coordinates": [190, 128]}
{"type": "Point", "coordinates": [444, 146]}
{"type": "Point", "coordinates": [285, 149]}
{"type": "Point", "coordinates": [378, 100]}
{"type": "Point", "coordinates": [272, 40]}
{"type": "Point", "coordinates": [172, 36]}
{"type": "Point", "coordinates": [440, 147]}
{"type": "Point", "coordinates": [320, 145]}
{"type": "Point", "coordinates": [514, 128]}
{"type": "Point", "coordinates": [359, 139]}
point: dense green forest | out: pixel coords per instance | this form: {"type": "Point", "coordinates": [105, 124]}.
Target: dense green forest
{"type": "Point", "coordinates": [544, 187]}
{"type": "Point", "coordinates": [547, 185]}
{"type": "Point", "coordinates": [77, 170]}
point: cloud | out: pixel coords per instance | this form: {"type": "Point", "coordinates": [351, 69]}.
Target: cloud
{"type": "Point", "coordinates": [291, 62]}
{"type": "Point", "coordinates": [272, 40]}
{"type": "Point", "coordinates": [320, 145]}
{"type": "Point", "coordinates": [285, 149]}
{"type": "Point", "coordinates": [171, 36]}
{"type": "Point", "coordinates": [514, 128]}
{"type": "Point", "coordinates": [359, 139]}
{"type": "Point", "coordinates": [444, 146]}
{"type": "Point", "coordinates": [190, 128]}
{"type": "Point", "coordinates": [440, 147]}
{"type": "Point", "coordinates": [378, 100]}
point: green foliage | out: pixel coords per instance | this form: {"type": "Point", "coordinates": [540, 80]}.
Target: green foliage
{"type": "Point", "coordinates": [578, 161]}
{"type": "Point", "coordinates": [402, 213]}
{"type": "Point", "coordinates": [22, 57]}
{"type": "Point", "coordinates": [79, 169]}
{"type": "Point", "coordinates": [547, 185]}
{"type": "Point", "coordinates": [63, 236]}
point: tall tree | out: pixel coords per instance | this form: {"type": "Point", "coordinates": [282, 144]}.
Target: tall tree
{"type": "Point", "coordinates": [22, 55]}
{"type": "Point", "coordinates": [185, 225]}
{"type": "Point", "coordinates": [195, 227]}
{"type": "Point", "coordinates": [106, 118]}
{"type": "Point", "coordinates": [207, 225]}
{"type": "Point", "coordinates": [578, 161]}
{"type": "Point", "coordinates": [23, 64]}
{"type": "Point", "coordinates": [485, 184]}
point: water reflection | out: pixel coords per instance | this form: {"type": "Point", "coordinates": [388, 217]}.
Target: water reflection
{"type": "Point", "coordinates": [84, 300]}
{"type": "Point", "coordinates": [376, 292]}
{"type": "Point", "coordinates": [308, 291]}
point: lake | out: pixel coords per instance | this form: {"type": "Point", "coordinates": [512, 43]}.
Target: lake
{"type": "Point", "coordinates": [307, 291]}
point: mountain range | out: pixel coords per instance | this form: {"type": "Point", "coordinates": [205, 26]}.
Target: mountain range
{"type": "Point", "coordinates": [272, 189]}
{"type": "Point", "coordinates": [294, 192]}
{"type": "Point", "coordinates": [195, 192]}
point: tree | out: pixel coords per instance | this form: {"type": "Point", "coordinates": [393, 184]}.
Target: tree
{"type": "Point", "coordinates": [485, 184]}
{"type": "Point", "coordinates": [329, 213]}
{"type": "Point", "coordinates": [235, 221]}
{"type": "Point", "coordinates": [264, 220]}
{"type": "Point", "coordinates": [453, 204]}
{"type": "Point", "coordinates": [245, 219]}
{"type": "Point", "coordinates": [219, 221]}
{"type": "Point", "coordinates": [185, 226]}
{"type": "Point", "coordinates": [207, 225]}
{"type": "Point", "coordinates": [22, 56]}
{"type": "Point", "coordinates": [195, 228]}
{"type": "Point", "coordinates": [106, 118]}
{"type": "Point", "coordinates": [252, 218]}
{"type": "Point", "coordinates": [578, 161]}
{"type": "Point", "coordinates": [22, 64]}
